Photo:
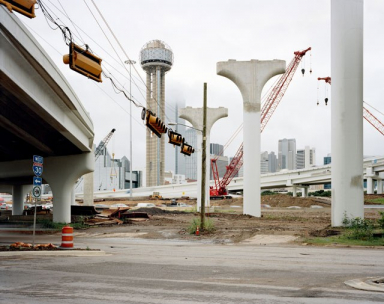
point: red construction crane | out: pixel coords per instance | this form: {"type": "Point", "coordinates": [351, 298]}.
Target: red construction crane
{"type": "Point", "coordinates": [368, 116]}
{"type": "Point", "coordinates": [269, 106]}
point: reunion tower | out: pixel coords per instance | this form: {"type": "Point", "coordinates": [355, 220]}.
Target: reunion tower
{"type": "Point", "coordinates": [156, 59]}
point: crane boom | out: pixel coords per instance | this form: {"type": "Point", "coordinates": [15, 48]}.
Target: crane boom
{"type": "Point", "coordinates": [368, 116]}
{"type": "Point", "coordinates": [267, 110]}
{"type": "Point", "coordinates": [98, 151]}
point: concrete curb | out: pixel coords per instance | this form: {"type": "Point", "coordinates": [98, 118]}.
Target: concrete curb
{"type": "Point", "coordinates": [74, 253]}
{"type": "Point", "coordinates": [366, 284]}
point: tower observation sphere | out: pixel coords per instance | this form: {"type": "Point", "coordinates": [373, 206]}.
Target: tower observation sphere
{"type": "Point", "coordinates": [156, 53]}
{"type": "Point", "coordinates": [156, 58]}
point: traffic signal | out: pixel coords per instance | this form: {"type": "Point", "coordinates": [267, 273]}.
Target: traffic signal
{"type": "Point", "coordinates": [83, 62]}
{"type": "Point", "coordinates": [155, 124]}
{"type": "Point", "coordinates": [24, 7]}
{"type": "Point", "coordinates": [186, 149]}
{"type": "Point", "coordinates": [175, 138]}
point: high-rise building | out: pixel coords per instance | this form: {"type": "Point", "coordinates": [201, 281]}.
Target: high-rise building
{"type": "Point", "coordinates": [305, 158]}
{"type": "Point", "coordinates": [217, 149]}
{"type": "Point", "coordinates": [191, 161]}
{"type": "Point", "coordinates": [156, 59]}
{"type": "Point", "coordinates": [287, 154]}
{"type": "Point", "coordinates": [174, 160]}
{"type": "Point", "coordinates": [264, 162]}
{"type": "Point", "coordinates": [327, 159]}
{"type": "Point", "coordinates": [216, 152]}
{"type": "Point", "coordinates": [272, 162]}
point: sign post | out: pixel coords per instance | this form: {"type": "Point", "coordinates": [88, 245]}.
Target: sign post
{"type": "Point", "coordinates": [37, 169]}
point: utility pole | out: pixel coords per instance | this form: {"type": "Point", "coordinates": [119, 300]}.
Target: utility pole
{"type": "Point", "coordinates": [130, 62]}
{"type": "Point", "coordinates": [204, 156]}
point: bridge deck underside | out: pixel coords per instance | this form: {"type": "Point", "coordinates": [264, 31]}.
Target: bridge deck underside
{"type": "Point", "coordinates": [22, 131]}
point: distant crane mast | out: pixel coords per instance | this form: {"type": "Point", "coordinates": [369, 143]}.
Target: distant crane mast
{"type": "Point", "coordinates": [267, 110]}
{"type": "Point", "coordinates": [99, 151]}
{"type": "Point", "coordinates": [368, 116]}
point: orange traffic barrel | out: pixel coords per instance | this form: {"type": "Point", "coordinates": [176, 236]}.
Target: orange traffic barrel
{"type": "Point", "coordinates": [67, 237]}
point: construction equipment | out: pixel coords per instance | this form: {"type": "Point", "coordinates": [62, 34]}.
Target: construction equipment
{"type": "Point", "coordinates": [100, 148]}
{"type": "Point", "coordinates": [156, 195]}
{"type": "Point", "coordinates": [269, 107]}
{"type": "Point", "coordinates": [368, 116]}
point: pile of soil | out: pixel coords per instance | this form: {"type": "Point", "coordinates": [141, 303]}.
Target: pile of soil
{"type": "Point", "coordinates": [283, 200]}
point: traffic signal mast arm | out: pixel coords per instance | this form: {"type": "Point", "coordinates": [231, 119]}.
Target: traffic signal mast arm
{"type": "Point", "coordinates": [267, 110]}
{"type": "Point", "coordinates": [368, 116]}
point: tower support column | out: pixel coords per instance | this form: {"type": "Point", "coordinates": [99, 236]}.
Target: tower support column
{"type": "Point", "coordinates": [347, 109]}
{"type": "Point", "coordinates": [250, 77]}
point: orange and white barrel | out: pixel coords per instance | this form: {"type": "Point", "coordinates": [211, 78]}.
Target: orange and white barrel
{"type": "Point", "coordinates": [67, 237]}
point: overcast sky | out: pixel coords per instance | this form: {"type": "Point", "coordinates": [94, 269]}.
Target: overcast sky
{"type": "Point", "coordinates": [201, 33]}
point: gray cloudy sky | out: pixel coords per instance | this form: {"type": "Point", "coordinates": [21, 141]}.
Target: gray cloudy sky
{"type": "Point", "coordinates": [201, 33]}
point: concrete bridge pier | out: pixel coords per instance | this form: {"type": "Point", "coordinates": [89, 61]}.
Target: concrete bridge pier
{"type": "Point", "coordinates": [294, 191]}
{"type": "Point", "coordinates": [195, 117]}
{"type": "Point", "coordinates": [347, 26]}
{"type": "Point", "coordinates": [304, 192]}
{"type": "Point", "coordinates": [18, 195]}
{"type": "Point", "coordinates": [250, 77]}
{"type": "Point", "coordinates": [61, 173]}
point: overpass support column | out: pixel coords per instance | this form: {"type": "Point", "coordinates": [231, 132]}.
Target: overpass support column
{"type": "Point", "coordinates": [305, 192]}
{"type": "Point", "coordinates": [88, 189]}
{"type": "Point", "coordinates": [195, 117]}
{"type": "Point", "coordinates": [250, 77]}
{"type": "Point", "coordinates": [370, 185]}
{"type": "Point", "coordinates": [380, 185]}
{"type": "Point", "coordinates": [18, 194]}
{"type": "Point", "coordinates": [61, 174]}
{"type": "Point", "coordinates": [347, 109]}
{"type": "Point", "coordinates": [294, 191]}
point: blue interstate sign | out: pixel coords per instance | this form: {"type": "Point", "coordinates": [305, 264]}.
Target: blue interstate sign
{"type": "Point", "coordinates": [37, 170]}
{"type": "Point", "coordinates": [37, 181]}
{"type": "Point", "coordinates": [38, 159]}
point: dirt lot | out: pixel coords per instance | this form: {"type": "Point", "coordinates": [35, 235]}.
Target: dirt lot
{"type": "Point", "coordinates": [281, 215]}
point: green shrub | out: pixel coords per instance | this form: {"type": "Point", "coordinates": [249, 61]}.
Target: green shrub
{"type": "Point", "coordinates": [358, 228]}
{"type": "Point", "coordinates": [381, 220]}
{"type": "Point", "coordinates": [267, 192]}
{"type": "Point", "coordinates": [196, 222]}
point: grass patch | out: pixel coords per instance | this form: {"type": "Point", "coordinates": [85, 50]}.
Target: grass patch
{"type": "Point", "coordinates": [379, 200]}
{"type": "Point", "coordinates": [344, 240]}
{"type": "Point", "coordinates": [196, 222]}
{"type": "Point", "coordinates": [49, 224]}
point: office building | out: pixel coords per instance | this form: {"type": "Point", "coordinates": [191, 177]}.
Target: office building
{"type": "Point", "coordinates": [287, 154]}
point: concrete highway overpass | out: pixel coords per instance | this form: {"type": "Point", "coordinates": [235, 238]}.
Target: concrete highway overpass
{"type": "Point", "coordinates": [40, 115]}
{"type": "Point", "coordinates": [303, 178]}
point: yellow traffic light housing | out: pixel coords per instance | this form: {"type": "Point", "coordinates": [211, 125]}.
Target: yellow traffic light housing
{"type": "Point", "coordinates": [155, 124]}
{"type": "Point", "coordinates": [186, 149]}
{"type": "Point", "coordinates": [83, 62]}
{"type": "Point", "coordinates": [24, 7]}
{"type": "Point", "coordinates": [175, 138]}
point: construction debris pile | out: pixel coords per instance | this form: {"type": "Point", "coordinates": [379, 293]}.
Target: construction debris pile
{"type": "Point", "coordinates": [21, 246]}
{"type": "Point", "coordinates": [119, 216]}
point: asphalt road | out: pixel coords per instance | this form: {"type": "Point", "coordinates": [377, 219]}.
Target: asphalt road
{"type": "Point", "coordinates": [158, 271]}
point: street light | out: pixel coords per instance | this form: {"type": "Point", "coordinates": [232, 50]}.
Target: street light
{"type": "Point", "coordinates": [130, 62]}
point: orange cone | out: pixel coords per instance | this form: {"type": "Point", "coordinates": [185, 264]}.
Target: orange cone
{"type": "Point", "coordinates": [197, 230]}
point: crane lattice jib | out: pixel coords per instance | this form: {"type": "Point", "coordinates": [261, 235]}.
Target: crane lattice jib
{"type": "Point", "coordinates": [267, 110]}
{"type": "Point", "coordinates": [103, 144]}
{"type": "Point", "coordinates": [368, 116]}
{"type": "Point", "coordinates": [232, 169]}
{"type": "Point", "coordinates": [377, 124]}
{"type": "Point", "coordinates": [279, 89]}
